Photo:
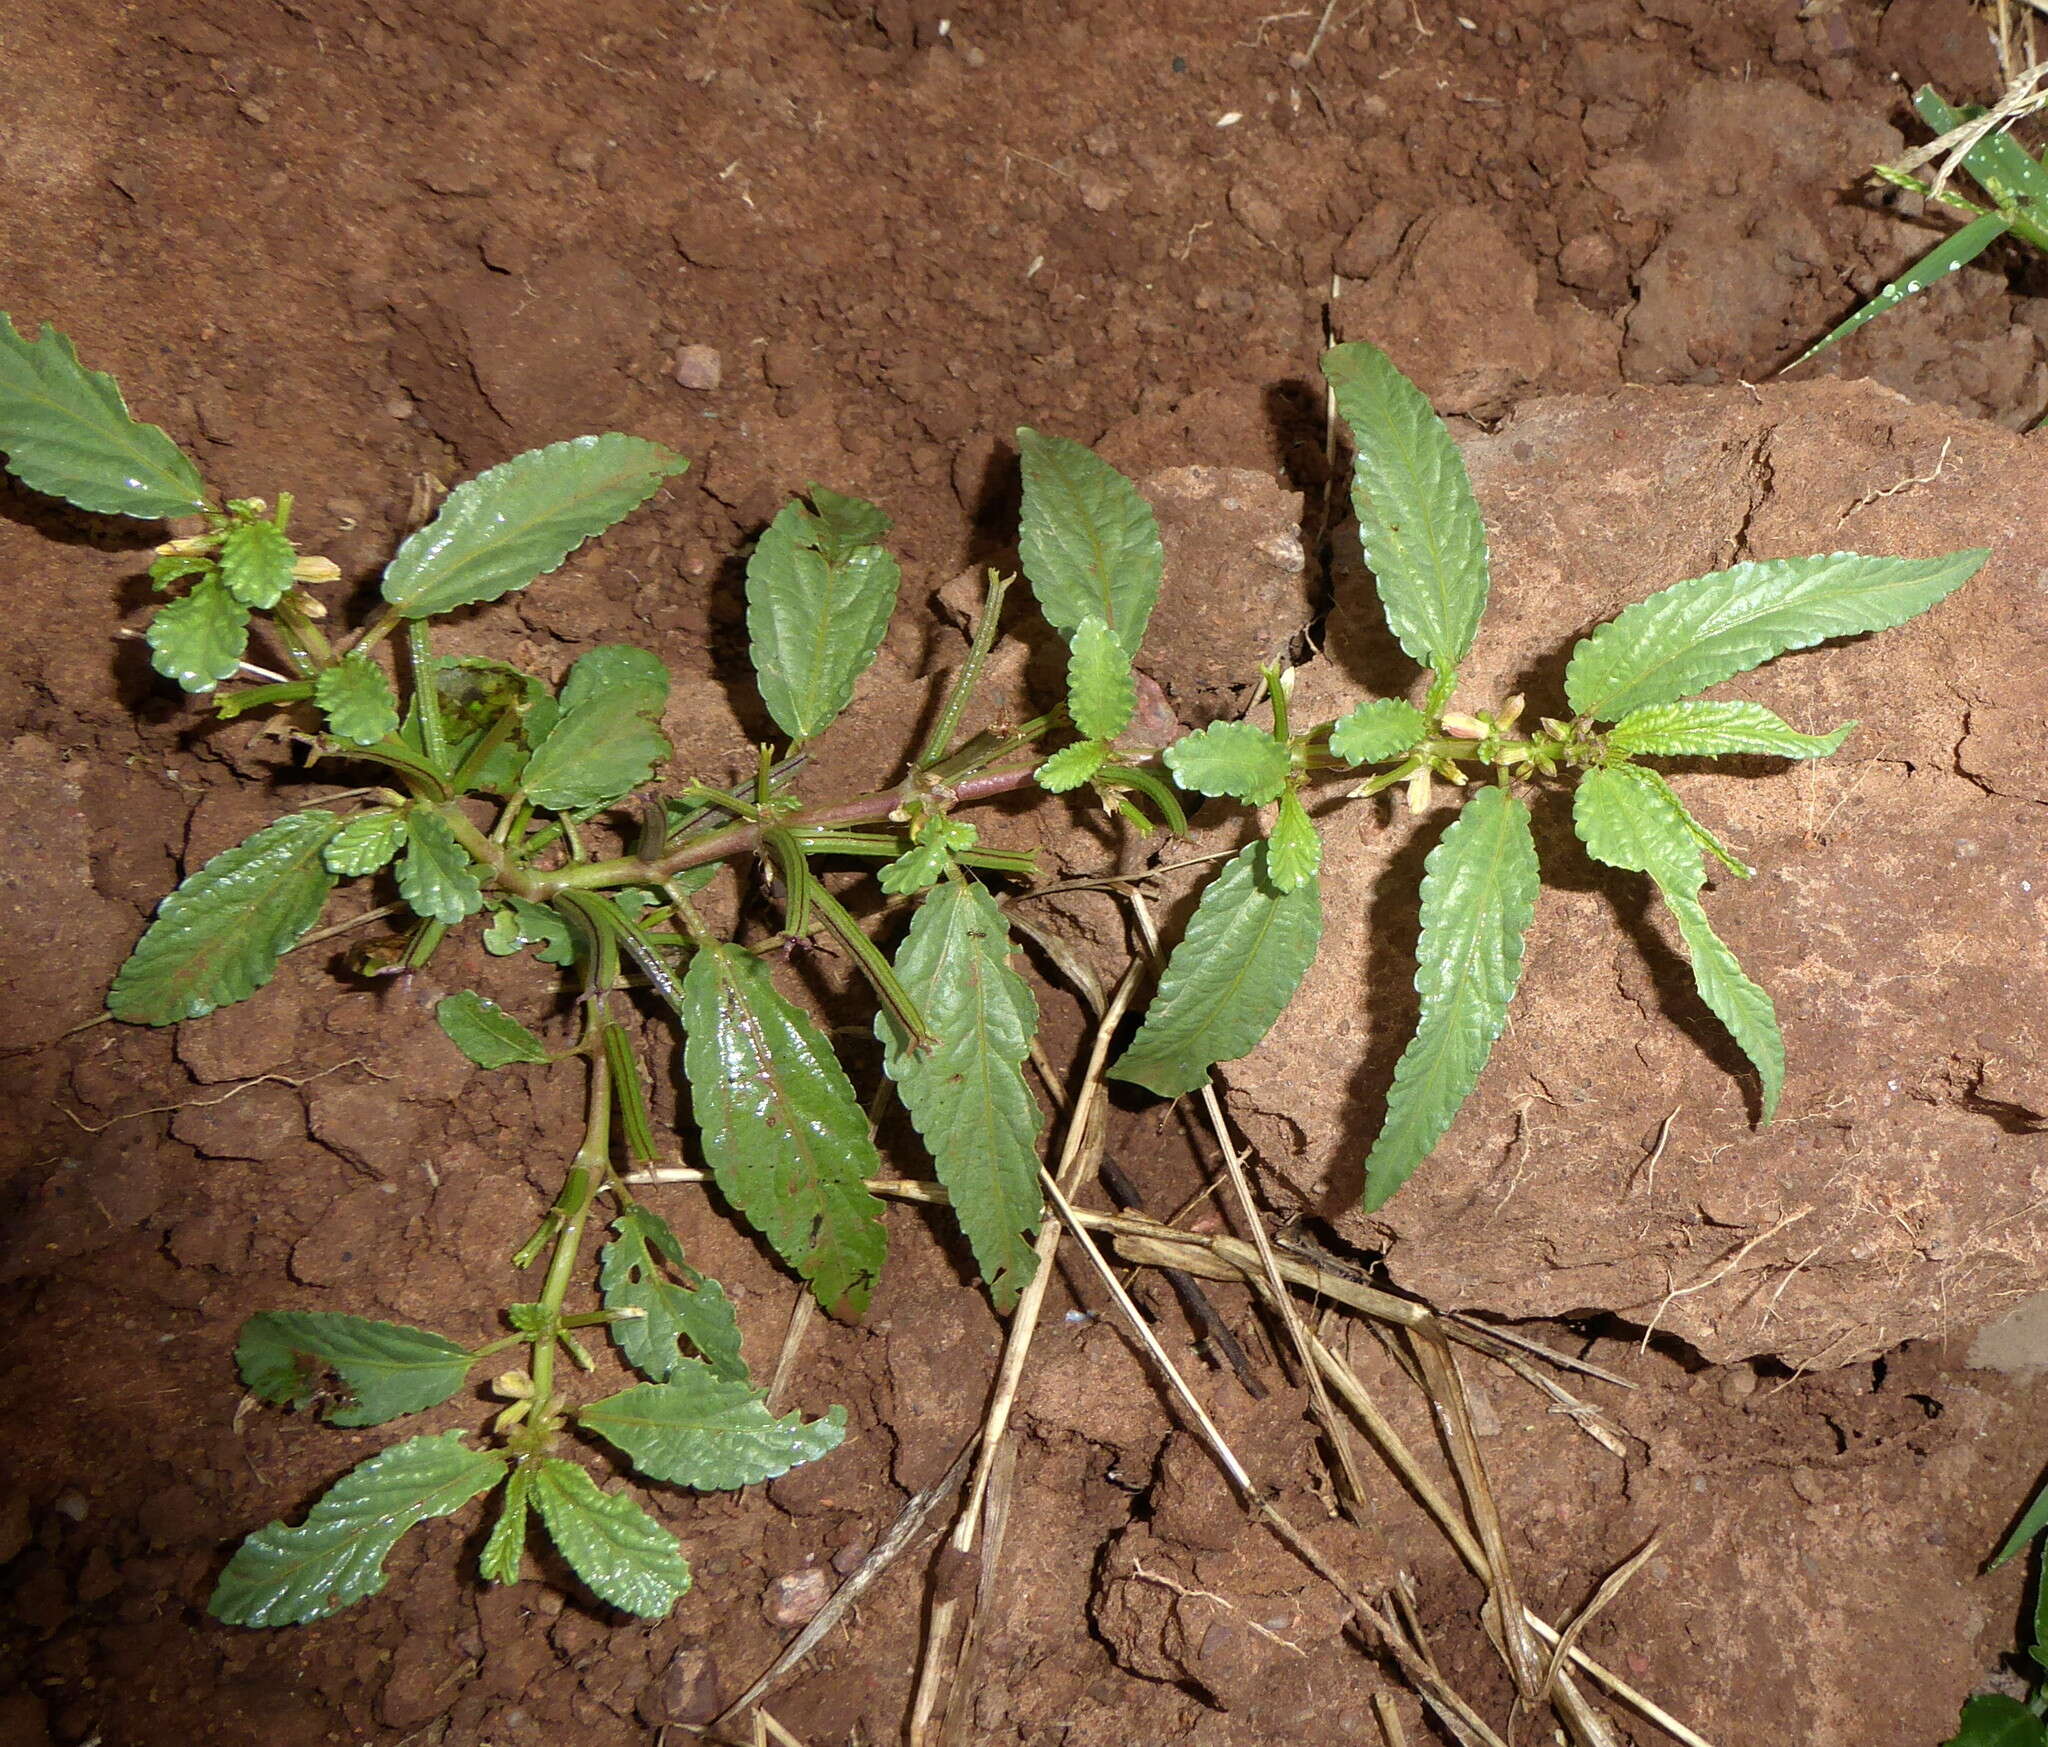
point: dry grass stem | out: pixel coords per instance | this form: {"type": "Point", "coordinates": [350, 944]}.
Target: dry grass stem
{"type": "Point", "coordinates": [902, 1533]}
{"type": "Point", "coordinates": [1389, 1720]}
{"type": "Point", "coordinates": [1610, 1586]}
{"type": "Point", "coordinates": [800, 1315]}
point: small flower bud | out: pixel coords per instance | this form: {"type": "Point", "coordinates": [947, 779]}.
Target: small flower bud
{"type": "Point", "coordinates": [1510, 712]}
{"type": "Point", "coordinates": [512, 1386]}
{"type": "Point", "coordinates": [1555, 729]}
{"type": "Point", "coordinates": [315, 570]}
{"type": "Point", "coordinates": [1463, 727]}
{"type": "Point", "coordinates": [1419, 791]}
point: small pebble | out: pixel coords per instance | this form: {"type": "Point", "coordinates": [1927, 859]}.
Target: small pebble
{"type": "Point", "coordinates": [795, 1598]}
{"type": "Point", "coordinates": [73, 1505]}
{"type": "Point", "coordinates": [699, 367]}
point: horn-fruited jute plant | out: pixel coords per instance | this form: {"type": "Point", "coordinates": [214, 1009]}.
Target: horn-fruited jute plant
{"type": "Point", "coordinates": [541, 815]}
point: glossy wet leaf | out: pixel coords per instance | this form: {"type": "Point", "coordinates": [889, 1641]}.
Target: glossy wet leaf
{"type": "Point", "coordinates": [1944, 258]}
{"type": "Point", "coordinates": [1238, 759]}
{"type": "Point", "coordinates": [485, 1032]}
{"type": "Point", "coordinates": [1088, 542]}
{"type": "Point", "coordinates": [1702, 728]}
{"type": "Point", "coordinates": [1417, 518]}
{"type": "Point", "coordinates": [68, 432]}
{"type": "Point", "coordinates": [216, 940]}
{"type": "Point", "coordinates": [1378, 731]}
{"type": "Point", "coordinates": [435, 875]}
{"type": "Point", "coordinates": [786, 1139]}
{"type": "Point", "coordinates": [501, 530]}
{"type": "Point", "coordinates": [819, 596]}
{"type": "Point", "coordinates": [687, 1307]}
{"type": "Point", "coordinates": [287, 1576]}
{"type": "Point", "coordinates": [1478, 897]}
{"type": "Point", "coordinates": [365, 843]}
{"type": "Point", "coordinates": [1101, 694]}
{"type": "Point", "coordinates": [1991, 1719]}
{"type": "Point", "coordinates": [520, 923]}
{"type": "Point", "coordinates": [385, 1369]}
{"type": "Point", "coordinates": [708, 1432]}
{"type": "Point", "coordinates": [622, 673]}
{"type": "Point", "coordinates": [966, 1091]}
{"type": "Point", "coordinates": [198, 638]}
{"type": "Point", "coordinates": [2005, 169]}
{"type": "Point", "coordinates": [625, 1556]}
{"type": "Point", "coordinates": [1628, 818]}
{"type": "Point", "coordinates": [1246, 949]}
{"type": "Point", "coordinates": [1699, 632]}
{"type": "Point", "coordinates": [607, 738]}
{"type": "Point", "coordinates": [360, 704]}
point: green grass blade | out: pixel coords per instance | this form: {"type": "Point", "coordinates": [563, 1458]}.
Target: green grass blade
{"type": "Point", "coordinates": [1089, 543]}
{"type": "Point", "coordinates": [1701, 631]}
{"type": "Point", "coordinates": [1478, 897]}
{"type": "Point", "coordinates": [284, 1576]}
{"type": "Point", "coordinates": [1417, 518]}
{"type": "Point", "coordinates": [785, 1137]}
{"type": "Point", "coordinates": [708, 1432]}
{"type": "Point", "coordinates": [966, 1092]}
{"type": "Point", "coordinates": [1944, 258]}
{"type": "Point", "coordinates": [625, 1556]}
{"type": "Point", "coordinates": [1246, 949]}
{"type": "Point", "coordinates": [820, 593]}
{"type": "Point", "coordinates": [216, 940]}
{"type": "Point", "coordinates": [67, 432]}
{"type": "Point", "coordinates": [2004, 168]}
{"type": "Point", "coordinates": [518, 521]}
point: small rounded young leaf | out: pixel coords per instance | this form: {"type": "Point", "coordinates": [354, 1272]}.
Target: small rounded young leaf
{"type": "Point", "coordinates": [198, 639]}
{"type": "Point", "coordinates": [1237, 759]}
{"type": "Point", "coordinates": [1071, 766]}
{"type": "Point", "coordinates": [1382, 729]}
{"type": "Point", "coordinates": [360, 704]}
{"type": "Point", "coordinates": [256, 563]}
{"type": "Point", "coordinates": [67, 432]}
{"type": "Point", "coordinates": [1101, 695]}
{"type": "Point", "coordinates": [1297, 850]}
{"type": "Point", "coordinates": [365, 843]}
{"type": "Point", "coordinates": [501, 530]}
{"type": "Point", "coordinates": [485, 1032]}
{"type": "Point", "coordinates": [217, 938]}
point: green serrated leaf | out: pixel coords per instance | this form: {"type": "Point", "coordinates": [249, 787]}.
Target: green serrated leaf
{"type": "Point", "coordinates": [1628, 818]}
{"type": "Point", "coordinates": [198, 638]}
{"type": "Point", "coordinates": [1699, 632]}
{"type": "Point", "coordinates": [485, 1032]}
{"type": "Point", "coordinates": [632, 677]}
{"type": "Point", "coordinates": [1417, 518]}
{"type": "Point", "coordinates": [1246, 949]}
{"type": "Point", "coordinates": [696, 1310]}
{"type": "Point", "coordinates": [1943, 259]}
{"type": "Point", "coordinates": [256, 563]}
{"type": "Point", "coordinates": [1295, 851]}
{"type": "Point", "coordinates": [1478, 896]}
{"type": "Point", "coordinates": [622, 1553]}
{"type": "Point", "coordinates": [785, 1137]}
{"type": "Point", "coordinates": [1699, 728]}
{"type": "Point", "coordinates": [819, 597]}
{"type": "Point", "coordinates": [176, 566]}
{"type": "Point", "coordinates": [501, 530]}
{"type": "Point", "coordinates": [435, 874]}
{"type": "Point", "coordinates": [284, 1576]}
{"type": "Point", "coordinates": [505, 1550]}
{"type": "Point", "coordinates": [601, 750]}
{"type": "Point", "coordinates": [1101, 695]}
{"type": "Point", "coordinates": [387, 1368]}
{"type": "Point", "coordinates": [216, 940]}
{"type": "Point", "coordinates": [966, 1091]}
{"type": "Point", "coordinates": [68, 432]}
{"type": "Point", "coordinates": [1071, 766]}
{"type": "Point", "coordinates": [1992, 1719]}
{"type": "Point", "coordinates": [708, 1432]}
{"type": "Point", "coordinates": [1089, 543]}
{"type": "Point", "coordinates": [520, 923]}
{"type": "Point", "coordinates": [365, 843]}
{"type": "Point", "coordinates": [360, 704]}
{"type": "Point", "coordinates": [918, 868]}
{"type": "Point", "coordinates": [1230, 758]}
{"type": "Point", "coordinates": [1375, 732]}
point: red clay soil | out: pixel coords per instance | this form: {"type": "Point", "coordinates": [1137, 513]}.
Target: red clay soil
{"type": "Point", "coordinates": [356, 252]}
